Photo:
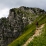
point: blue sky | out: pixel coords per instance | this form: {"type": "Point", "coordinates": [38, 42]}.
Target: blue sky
{"type": "Point", "coordinates": [5, 5]}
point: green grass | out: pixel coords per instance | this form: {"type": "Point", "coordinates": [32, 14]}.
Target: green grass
{"type": "Point", "coordinates": [41, 40]}
{"type": "Point", "coordinates": [41, 19]}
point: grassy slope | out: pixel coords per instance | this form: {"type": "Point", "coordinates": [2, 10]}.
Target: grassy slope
{"type": "Point", "coordinates": [29, 32]}
{"type": "Point", "coordinates": [41, 40]}
{"type": "Point", "coordinates": [19, 41]}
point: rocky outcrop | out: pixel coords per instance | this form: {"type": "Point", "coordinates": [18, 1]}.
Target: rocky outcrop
{"type": "Point", "coordinates": [12, 27]}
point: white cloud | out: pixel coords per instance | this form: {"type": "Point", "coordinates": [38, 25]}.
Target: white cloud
{"type": "Point", "coordinates": [17, 3]}
{"type": "Point", "coordinates": [4, 12]}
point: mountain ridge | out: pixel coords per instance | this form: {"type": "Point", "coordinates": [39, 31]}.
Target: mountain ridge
{"type": "Point", "coordinates": [17, 23]}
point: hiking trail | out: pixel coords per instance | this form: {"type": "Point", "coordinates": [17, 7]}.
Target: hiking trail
{"type": "Point", "coordinates": [37, 33]}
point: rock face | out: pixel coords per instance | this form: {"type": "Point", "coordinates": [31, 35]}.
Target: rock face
{"type": "Point", "coordinates": [12, 27]}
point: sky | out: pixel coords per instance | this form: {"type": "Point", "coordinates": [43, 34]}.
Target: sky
{"type": "Point", "coordinates": [6, 5]}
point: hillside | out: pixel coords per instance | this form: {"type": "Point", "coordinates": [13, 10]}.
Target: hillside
{"type": "Point", "coordinates": [37, 33]}
{"type": "Point", "coordinates": [20, 25]}
{"type": "Point", "coordinates": [40, 40]}
{"type": "Point", "coordinates": [29, 32]}
{"type": "Point", "coordinates": [30, 29]}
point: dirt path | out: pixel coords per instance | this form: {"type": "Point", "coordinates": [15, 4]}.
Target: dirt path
{"type": "Point", "coordinates": [37, 33]}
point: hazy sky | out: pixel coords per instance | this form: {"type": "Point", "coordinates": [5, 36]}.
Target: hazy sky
{"type": "Point", "coordinates": [5, 5]}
